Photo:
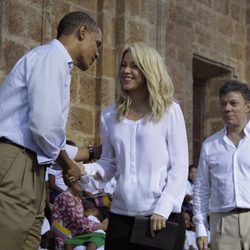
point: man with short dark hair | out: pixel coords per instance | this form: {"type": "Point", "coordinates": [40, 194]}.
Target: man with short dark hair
{"type": "Point", "coordinates": [223, 176]}
{"type": "Point", "coordinates": [34, 103]}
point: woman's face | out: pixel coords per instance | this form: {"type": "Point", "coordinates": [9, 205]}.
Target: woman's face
{"type": "Point", "coordinates": [131, 77]}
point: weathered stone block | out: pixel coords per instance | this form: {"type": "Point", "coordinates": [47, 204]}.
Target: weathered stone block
{"type": "Point", "coordinates": [206, 17]}
{"type": "Point", "coordinates": [225, 25]}
{"type": "Point", "coordinates": [86, 93]}
{"type": "Point", "coordinates": [170, 32]}
{"type": "Point", "coordinates": [134, 7]}
{"type": "Point", "coordinates": [205, 2]}
{"type": "Point", "coordinates": [222, 6]}
{"type": "Point", "coordinates": [238, 51]}
{"type": "Point", "coordinates": [107, 5]}
{"type": "Point", "coordinates": [240, 33]}
{"type": "Point", "coordinates": [137, 32]}
{"type": "Point", "coordinates": [235, 12]}
{"type": "Point", "coordinates": [16, 14]}
{"type": "Point", "coordinates": [12, 51]}
{"type": "Point", "coordinates": [106, 22]}
{"type": "Point", "coordinates": [149, 11]}
{"type": "Point", "coordinates": [58, 10]}
{"type": "Point", "coordinates": [35, 25]}
{"type": "Point", "coordinates": [86, 4]}
{"type": "Point", "coordinates": [105, 92]}
{"type": "Point", "coordinates": [107, 64]}
{"type": "Point", "coordinates": [81, 120]}
{"type": "Point", "coordinates": [248, 16]}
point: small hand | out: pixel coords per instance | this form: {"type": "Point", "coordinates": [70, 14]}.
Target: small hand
{"type": "Point", "coordinates": [157, 222]}
{"type": "Point", "coordinates": [69, 179]}
{"type": "Point", "coordinates": [97, 176]}
{"type": "Point", "coordinates": [76, 169]}
{"type": "Point", "coordinates": [202, 242]}
{"type": "Point", "coordinates": [104, 224]}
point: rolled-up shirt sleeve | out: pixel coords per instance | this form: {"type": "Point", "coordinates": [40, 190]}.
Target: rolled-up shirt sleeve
{"type": "Point", "coordinates": [71, 151]}
{"type": "Point", "coordinates": [201, 196]}
{"type": "Point", "coordinates": [48, 97]}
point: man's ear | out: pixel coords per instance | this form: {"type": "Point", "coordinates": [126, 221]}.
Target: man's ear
{"type": "Point", "coordinates": [248, 107]}
{"type": "Point", "coordinates": [82, 31]}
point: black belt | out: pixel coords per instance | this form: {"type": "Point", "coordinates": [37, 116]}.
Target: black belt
{"type": "Point", "coordinates": [7, 141]}
{"type": "Point", "coordinates": [240, 210]}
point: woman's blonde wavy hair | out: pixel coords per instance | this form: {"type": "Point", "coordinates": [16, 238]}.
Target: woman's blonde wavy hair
{"type": "Point", "coordinates": [159, 84]}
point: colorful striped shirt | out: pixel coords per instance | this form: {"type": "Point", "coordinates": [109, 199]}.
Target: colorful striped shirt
{"type": "Point", "coordinates": [69, 212]}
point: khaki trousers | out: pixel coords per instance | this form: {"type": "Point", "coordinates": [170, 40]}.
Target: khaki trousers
{"type": "Point", "coordinates": [230, 231]}
{"type": "Point", "coordinates": [22, 199]}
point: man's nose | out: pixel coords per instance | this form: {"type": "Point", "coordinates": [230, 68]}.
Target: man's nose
{"type": "Point", "coordinates": [227, 107]}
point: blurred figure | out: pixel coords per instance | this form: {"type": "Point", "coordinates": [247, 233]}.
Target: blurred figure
{"type": "Point", "coordinates": [188, 200]}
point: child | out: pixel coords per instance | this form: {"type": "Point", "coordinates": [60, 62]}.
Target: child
{"type": "Point", "coordinates": [93, 214]}
{"type": "Point", "coordinates": [188, 201]}
{"type": "Point", "coordinates": [190, 241]}
{"type": "Point", "coordinates": [69, 212]}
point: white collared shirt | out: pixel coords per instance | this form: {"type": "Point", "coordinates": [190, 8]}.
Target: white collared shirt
{"type": "Point", "coordinates": [223, 177]}
{"type": "Point", "coordinates": [149, 160]}
{"type": "Point", "coordinates": [34, 100]}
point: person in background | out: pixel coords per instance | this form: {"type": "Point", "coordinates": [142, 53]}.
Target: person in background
{"type": "Point", "coordinates": [145, 147]}
{"type": "Point", "coordinates": [56, 182]}
{"type": "Point", "coordinates": [223, 176]}
{"type": "Point", "coordinates": [190, 241]}
{"type": "Point", "coordinates": [188, 200]}
{"type": "Point", "coordinates": [69, 212]}
{"type": "Point", "coordinates": [34, 104]}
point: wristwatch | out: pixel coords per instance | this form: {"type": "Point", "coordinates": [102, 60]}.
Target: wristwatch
{"type": "Point", "coordinates": [91, 153]}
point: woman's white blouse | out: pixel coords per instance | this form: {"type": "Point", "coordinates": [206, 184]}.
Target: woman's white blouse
{"type": "Point", "coordinates": [149, 161]}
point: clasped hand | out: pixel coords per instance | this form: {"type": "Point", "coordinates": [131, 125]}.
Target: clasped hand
{"type": "Point", "coordinates": [157, 222]}
{"type": "Point", "coordinates": [74, 172]}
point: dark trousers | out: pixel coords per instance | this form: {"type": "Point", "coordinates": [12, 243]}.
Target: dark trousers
{"type": "Point", "coordinates": [120, 229]}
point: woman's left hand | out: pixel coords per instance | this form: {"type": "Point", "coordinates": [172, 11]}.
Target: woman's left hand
{"type": "Point", "coordinates": [157, 222]}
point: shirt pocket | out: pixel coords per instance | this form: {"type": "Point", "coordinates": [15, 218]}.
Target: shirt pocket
{"type": "Point", "coordinates": [213, 163]}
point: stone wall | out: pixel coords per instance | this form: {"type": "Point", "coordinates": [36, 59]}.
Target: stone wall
{"type": "Point", "coordinates": [218, 30]}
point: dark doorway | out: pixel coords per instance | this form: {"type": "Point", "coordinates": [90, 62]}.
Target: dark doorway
{"type": "Point", "coordinates": [208, 76]}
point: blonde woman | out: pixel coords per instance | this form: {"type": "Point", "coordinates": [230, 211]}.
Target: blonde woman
{"type": "Point", "coordinates": [145, 148]}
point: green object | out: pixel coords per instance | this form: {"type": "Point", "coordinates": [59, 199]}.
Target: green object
{"type": "Point", "coordinates": [97, 238]}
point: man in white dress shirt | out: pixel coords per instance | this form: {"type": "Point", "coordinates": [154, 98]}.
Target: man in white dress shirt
{"type": "Point", "coordinates": [223, 176]}
{"type": "Point", "coordinates": [34, 103]}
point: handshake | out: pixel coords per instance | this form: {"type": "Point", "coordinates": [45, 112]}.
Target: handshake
{"type": "Point", "coordinates": [72, 168]}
